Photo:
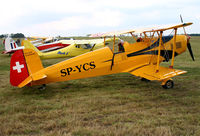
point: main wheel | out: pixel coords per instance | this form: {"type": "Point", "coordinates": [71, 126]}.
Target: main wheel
{"type": "Point", "coordinates": [168, 85]}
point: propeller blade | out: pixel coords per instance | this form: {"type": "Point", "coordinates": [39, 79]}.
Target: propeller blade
{"type": "Point", "coordinates": [190, 50]}
{"type": "Point", "coordinates": [183, 27]}
{"type": "Point", "coordinates": [188, 43]}
{"type": "Point", "coordinates": [181, 18]}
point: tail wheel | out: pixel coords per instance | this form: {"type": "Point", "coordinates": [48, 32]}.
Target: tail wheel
{"type": "Point", "coordinates": [42, 88]}
{"type": "Point", "coordinates": [168, 84]}
{"type": "Point", "coordinates": [145, 80]}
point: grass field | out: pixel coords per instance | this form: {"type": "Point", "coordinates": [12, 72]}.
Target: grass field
{"type": "Point", "coordinates": [113, 105]}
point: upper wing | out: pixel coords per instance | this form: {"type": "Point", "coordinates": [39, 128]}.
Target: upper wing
{"type": "Point", "coordinates": [142, 30]}
{"type": "Point", "coordinates": [90, 41]}
{"type": "Point", "coordinates": [149, 72]}
{"type": "Point", "coordinates": [167, 27]}
{"type": "Point", "coordinates": [112, 33]}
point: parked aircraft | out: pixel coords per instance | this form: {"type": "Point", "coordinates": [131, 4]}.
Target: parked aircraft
{"type": "Point", "coordinates": [141, 59]}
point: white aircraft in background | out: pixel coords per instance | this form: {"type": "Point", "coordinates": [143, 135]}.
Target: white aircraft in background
{"type": "Point", "coordinates": [11, 46]}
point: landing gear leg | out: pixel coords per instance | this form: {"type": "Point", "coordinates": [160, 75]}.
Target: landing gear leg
{"type": "Point", "coordinates": [168, 84]}
{"type": "Point", "coordinates": [43, 87]}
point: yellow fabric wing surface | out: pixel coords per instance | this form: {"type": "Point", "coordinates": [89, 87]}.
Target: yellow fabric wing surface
{"type": "Point", "coordinates": [149, 72]}
{"type": "Point", "coordinates": [142, 30]}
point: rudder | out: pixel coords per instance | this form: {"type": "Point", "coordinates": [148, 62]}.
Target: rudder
{"type": "Point", "coordinates": [10, 44]}
{"type": "Point", "coordinates": [18, 68]}
{"type": "Point", "coordinates": [23, 66]}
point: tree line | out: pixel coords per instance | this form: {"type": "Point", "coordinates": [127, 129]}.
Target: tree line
{"type": "Point", "coordinates": [194, 34]}
{"type": "Point", "coordinates": [17, 35]}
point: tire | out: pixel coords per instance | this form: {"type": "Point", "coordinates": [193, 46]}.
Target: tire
{"type": "Point", "coordinates": [168, 85]}
{"type": "Point", "coordinates": [43, 87]}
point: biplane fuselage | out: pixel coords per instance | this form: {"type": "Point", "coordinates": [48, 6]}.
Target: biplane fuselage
{"type": "Point", "coordinates": [103, 61]}
{"type": "Point", "coordinates": [141, 59]}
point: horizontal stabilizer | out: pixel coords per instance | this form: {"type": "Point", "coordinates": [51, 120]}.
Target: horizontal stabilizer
{"type": "Point", "coordinates": [31, 78]}
{"type": "Point", "coordinates": [38, 76]}
{"type": "Point", "coordinates": [149, 72]}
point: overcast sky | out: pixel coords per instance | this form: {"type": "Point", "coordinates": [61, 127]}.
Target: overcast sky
{"type": "Point", "coordinates": [81, 17]}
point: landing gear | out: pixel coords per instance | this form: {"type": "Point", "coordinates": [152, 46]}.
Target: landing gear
{"type": "Point", "coordinates": [168, 84]}
{"type": "Point", "coordinates": [43, 87]}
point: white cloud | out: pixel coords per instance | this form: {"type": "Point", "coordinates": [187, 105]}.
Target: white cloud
{"type": "Point", "coordinates": [106, 18]}
{"type": "Point", "coordinates": [81, 14]}
{"type": "Point", "coordinates": [68, 24]}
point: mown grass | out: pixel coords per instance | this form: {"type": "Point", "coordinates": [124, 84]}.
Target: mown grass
{"type": "Point", "coordinates": [118, 104]}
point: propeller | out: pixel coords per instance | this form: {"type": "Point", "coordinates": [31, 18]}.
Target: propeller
{"type": "Point", "coordinates": [183, 27]}
{"type": "Point", "coordinates": [190, 50]}
{"type": "Point", "coordinates": [188, 42]}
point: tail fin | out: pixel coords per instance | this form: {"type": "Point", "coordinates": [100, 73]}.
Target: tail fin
{"type": "Point", "coordinates": [10, 44]}
{"type": "Point", "coordinates": [24, 66]}
{"type": "Point", "coordinates": [28, 45]}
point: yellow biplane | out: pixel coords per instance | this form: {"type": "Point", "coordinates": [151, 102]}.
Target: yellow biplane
{"type": "Point", "coordinates": [141, 59]}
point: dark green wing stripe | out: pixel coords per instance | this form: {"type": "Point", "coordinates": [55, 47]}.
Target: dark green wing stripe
{"type": "Point", "coordinates": [162, 53]}
{"type": "Point", "coordinates": [155, 44]}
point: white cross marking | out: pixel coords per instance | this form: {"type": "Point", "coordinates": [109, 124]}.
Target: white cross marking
{"type": "Point", "coordinates": [18, 67]}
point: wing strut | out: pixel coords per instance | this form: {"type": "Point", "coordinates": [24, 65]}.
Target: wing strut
{"type": "Point", "coordinates": [152, 35]}
{"type": "Point", "coordinates": [114, 44]}
{"type": "Point", "coordinates": [104, 40]}
{"type": "Point", "coordinates": [145, 35]}
{"type": "Point", "coordinates": [133, 36]}
{"type": "Point", "coordinates": [158, 58]}
{"type": "Point", "coordinates": [174, 48]}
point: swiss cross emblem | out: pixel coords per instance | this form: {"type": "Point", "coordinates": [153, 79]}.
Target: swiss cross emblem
{"type": "Point", "coordinates": [18, 67]}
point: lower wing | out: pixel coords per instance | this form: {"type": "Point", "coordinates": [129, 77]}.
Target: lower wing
{"type": "Point", "coordinates": [149, 72]}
